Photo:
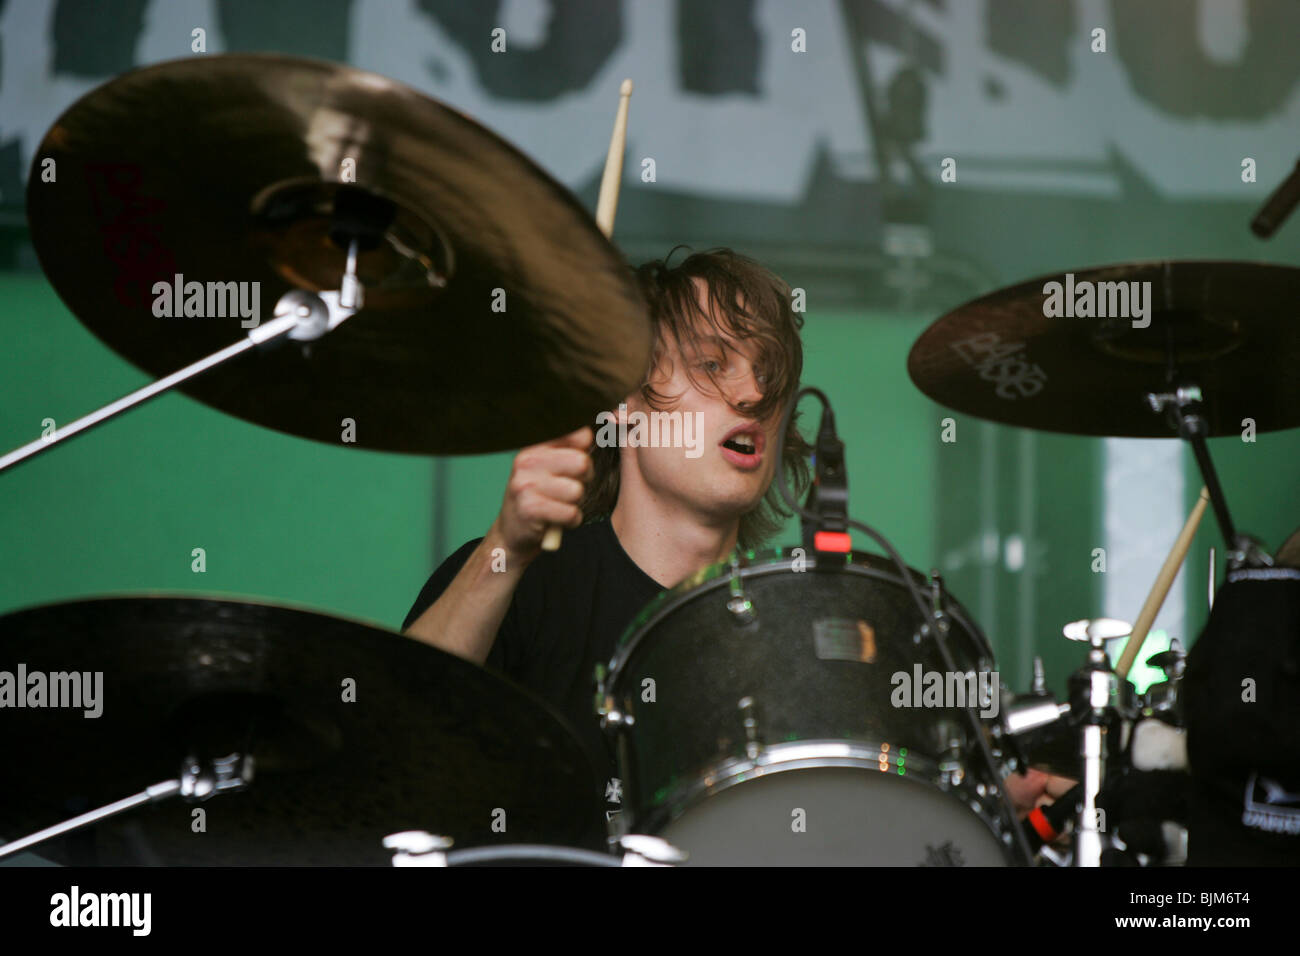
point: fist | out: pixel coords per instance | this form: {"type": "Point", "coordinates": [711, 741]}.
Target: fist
{"type": "Point", "coordinates": [1034, 789]}
{"type": "Point", "coordinates": [546, 483]}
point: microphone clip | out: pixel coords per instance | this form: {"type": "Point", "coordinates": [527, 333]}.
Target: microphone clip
{"type": "Point", "coordinates": [828, 498]}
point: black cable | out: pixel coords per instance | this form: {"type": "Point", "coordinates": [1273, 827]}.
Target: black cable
{"type": "Point", "coordinates": [930, 617]}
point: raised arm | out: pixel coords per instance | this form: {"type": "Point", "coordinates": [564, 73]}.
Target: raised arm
{"type": "Point", "coordinates": [546, 483]}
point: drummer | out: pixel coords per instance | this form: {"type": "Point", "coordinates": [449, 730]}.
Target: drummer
{"type": "Point", "coordinates": [727, 352]}
{"type": "Point", "coordinates": [728, 357]}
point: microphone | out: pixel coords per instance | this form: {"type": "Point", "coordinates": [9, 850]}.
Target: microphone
{"type": "Point", "coordinates": [828, 498]}
{"type": "Point", "coordinates": [1278, 206]}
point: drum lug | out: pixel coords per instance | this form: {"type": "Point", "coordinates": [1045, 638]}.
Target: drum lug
{"type": "Point", "coordinates": [742, 610]}
{"type": "Point", "coordinates": [940, 620]}
{"type": "Point", "coordinates": [952, 744]}
{"type": "Point", "coordinates": [937, 614]}
{"type": "Point", "coordinates": [611, 716]}
{"type": "Point", "coordinates": [749, 718]}
{"type": "Point", "coordinates": [936, 590]}
{"type": "Point", "coordinates": [606, 706]}
{"type": "Point", "coordinates": [741, 607]}
{"type": "Point", "coordinates": [950, 738]}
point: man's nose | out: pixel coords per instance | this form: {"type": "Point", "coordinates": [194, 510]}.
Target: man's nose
{"type": "Point", "coordinates": [747, 393]}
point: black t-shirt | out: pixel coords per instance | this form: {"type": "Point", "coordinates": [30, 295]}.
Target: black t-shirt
{"type": "Point", "coordinates": [569, 610]}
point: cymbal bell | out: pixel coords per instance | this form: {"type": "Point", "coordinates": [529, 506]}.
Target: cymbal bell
{"type": "Point", "coordinates": [1228, 327]}
{"type": "Point", "coordinates": [495, 315]}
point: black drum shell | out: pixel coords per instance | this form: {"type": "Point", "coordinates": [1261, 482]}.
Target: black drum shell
{"type": "Point", "coordinates": [797, 660]}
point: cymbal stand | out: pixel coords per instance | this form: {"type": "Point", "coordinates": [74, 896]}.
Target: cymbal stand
{"type": "Point", "coordinates": [1183, 407]}
{"type": "Point", "coordinates": [1095, 705]}
{"type": "Point", "coordinates": [299, 315]}
{"type": "Point", "coordinates": [198, 780]}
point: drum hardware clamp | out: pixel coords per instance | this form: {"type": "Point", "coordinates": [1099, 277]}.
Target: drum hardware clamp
{"type": "Point", "coordinates": [418, 848]}
{"type": "Point", "coordinates": [197, 781]}
{"type": "Point", "coordinates": [606, 707]}
{"type": "Point", "coordinates": [753, 741]}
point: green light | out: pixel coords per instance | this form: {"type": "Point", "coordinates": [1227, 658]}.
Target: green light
{"type": "Point", "coordinates": [902, 751]}
{"type": "Point", "coordinates": [1141, 675]}
{"type": "Point", "coordinates": [900, 770]}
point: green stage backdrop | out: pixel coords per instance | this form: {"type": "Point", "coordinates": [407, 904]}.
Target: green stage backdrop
{"type": "Point", "coordinates": [122, 508]}
{"type": "Point", "coordinates": [814, 136]}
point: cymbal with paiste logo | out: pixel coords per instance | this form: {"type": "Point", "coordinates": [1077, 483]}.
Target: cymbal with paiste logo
{"type": "Point", "coordinates": [1079, 352]}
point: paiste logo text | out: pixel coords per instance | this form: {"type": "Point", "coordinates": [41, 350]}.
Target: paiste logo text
{"type": "Point", "coordinates": [208, 300]}
{"type": "Point", "coordinates": [1100, 300]}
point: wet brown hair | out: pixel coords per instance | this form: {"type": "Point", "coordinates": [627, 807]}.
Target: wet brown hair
{"type": "Point", "coordinates": [748, 303]}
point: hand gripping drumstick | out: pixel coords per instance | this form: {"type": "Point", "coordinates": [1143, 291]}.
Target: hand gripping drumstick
{"type": "Point", "coordinates": [1164, 580]}
{"type": "Point", "coordinates": [606, 206]}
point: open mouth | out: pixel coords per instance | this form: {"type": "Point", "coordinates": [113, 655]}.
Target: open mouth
{"type": "Point", "coordinates": [743, 446]}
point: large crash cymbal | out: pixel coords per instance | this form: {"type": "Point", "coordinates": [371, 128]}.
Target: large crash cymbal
{"type": "Point", "coordinates": [226, 168]}
{"type": "Point", "coordinates": [429, 742]}
{"type": "Point", "coordinates": [1231, 328]}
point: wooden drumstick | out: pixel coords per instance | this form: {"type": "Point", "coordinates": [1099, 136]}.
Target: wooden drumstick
{"type": "Point", "coordinates": [1164, 580]}
{"type": "Point", "coordinates": [606, 206]}
{"type": "Point", "coordinates": [607, 203]}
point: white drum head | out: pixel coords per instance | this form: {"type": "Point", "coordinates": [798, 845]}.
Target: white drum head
{"type": "Point", "coordinates": [850, 817]}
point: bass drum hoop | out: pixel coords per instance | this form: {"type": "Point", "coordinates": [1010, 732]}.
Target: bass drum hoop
{"type": "Point", "coordinates": [534, 854]}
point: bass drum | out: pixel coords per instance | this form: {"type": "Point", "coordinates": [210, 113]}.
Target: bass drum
{"type": "Point", "coordinates": [764, 712]}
